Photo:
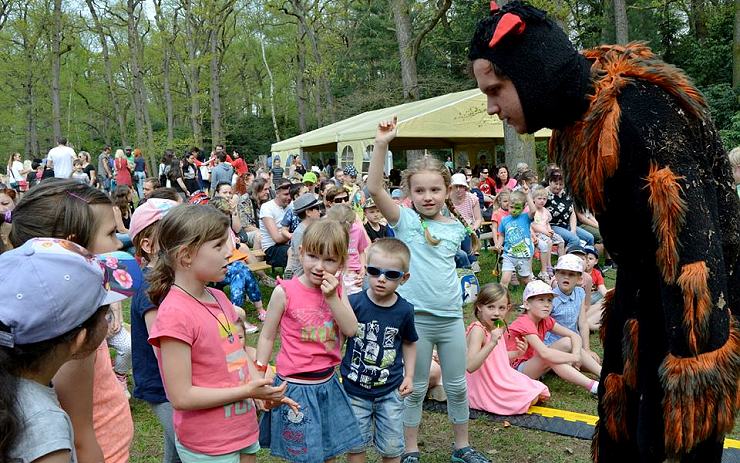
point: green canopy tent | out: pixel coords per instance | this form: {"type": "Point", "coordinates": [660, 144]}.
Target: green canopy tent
{"type": "Point", "coordinates": [456, 121]}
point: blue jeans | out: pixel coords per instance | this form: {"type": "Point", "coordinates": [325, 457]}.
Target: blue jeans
{"type": "Point", "coordinates": [385, 415]}
{"type": "Point", "coordinates": [139, 177]}
{"type": "Point", "coordinates": [571, 238]}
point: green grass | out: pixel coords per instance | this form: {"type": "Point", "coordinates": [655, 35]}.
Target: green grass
{"type": "Point", "coordinates": [502, 444]}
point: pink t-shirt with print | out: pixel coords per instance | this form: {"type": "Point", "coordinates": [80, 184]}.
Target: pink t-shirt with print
{"type": "Point", "coordinates": [309, 337]}
{"type": "Point", "coordinates": [216, 361]}
{"type": "Point", "coordinates": [521, 327]}
{"type": "Point", "coordinates": [358, 242]}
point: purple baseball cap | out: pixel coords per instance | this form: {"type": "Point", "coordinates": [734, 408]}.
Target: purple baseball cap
{"type": "Point", "coordinates": [50, 286]}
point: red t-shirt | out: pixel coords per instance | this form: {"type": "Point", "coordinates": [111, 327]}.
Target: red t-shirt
{"type": "Point", "coordinates": [521, 327]}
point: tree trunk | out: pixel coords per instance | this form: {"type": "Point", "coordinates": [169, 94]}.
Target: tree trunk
{"type": "Point", "coordinates": [217, 135]}
{"type": "Point", "coordinates": [518, 148]}
{"type": "Point", "coordinates": [698, 18]}
{"type": "Point", "coordinates": [56, 58]}
{"type": "Point", "coordinates": [145, 134]}
{"type": "Point", "coordinates": [300, 82]}
{"type": "Point", "coordinates": [169, 107]}
{"type": "Point", "coordinates": [119, 114]}
{"type": "Point", "coordinates": [404, 36]}
{"type": "Point", "coordinates": [272, 90]}
{"type": "Point", "coordinates": [621, 23]}
{"type": "Point", "coordinates": [193, 78]}
{"type": "Point", "coordinates": [736, 52]}
{"type": "Point", "coordinates": [32, 141]}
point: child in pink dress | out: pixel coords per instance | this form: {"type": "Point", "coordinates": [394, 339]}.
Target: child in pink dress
{"type": "Point", "coordinates": [493, 385]}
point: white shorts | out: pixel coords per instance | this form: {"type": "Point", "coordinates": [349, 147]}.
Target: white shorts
{"type": "Point", "coordinates": [545, 242]}
{"type": "Point", "coordinates": [522, 265]}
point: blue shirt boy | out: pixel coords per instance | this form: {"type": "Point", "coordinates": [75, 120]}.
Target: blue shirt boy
{"type": "Point", "coordinates": [517, 235]}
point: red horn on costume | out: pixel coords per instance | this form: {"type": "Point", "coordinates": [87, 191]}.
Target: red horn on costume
{"type": "Point", "coordinates": [509, 23]}
{"type": "Point", "coordinates": [494, 6]}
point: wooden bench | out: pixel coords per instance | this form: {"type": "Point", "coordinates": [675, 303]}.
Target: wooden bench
{"type": "Point", "coordinates": [258, 253]}
{"type": "Point", "coordinates": [257, 266]}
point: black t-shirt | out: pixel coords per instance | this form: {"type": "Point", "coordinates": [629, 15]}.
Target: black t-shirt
{"type": "Point", "coordinates": [373, 361]}
{"type": "Point", "coordinates": [561, 208]}
{"type": "Point", "coordinates": [383, 232]}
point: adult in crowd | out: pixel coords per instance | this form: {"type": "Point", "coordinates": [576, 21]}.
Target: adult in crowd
{"type": "Point", "coordinates": [338, 178]}
{"type": "Point", "coordinates": [104, 171]}
{"type": "Point", "coordinates": [165, 164]}
{"type": "Point", "coordinates": [275, 243]}
{"type": "Point", "coordinates": [240, 167]}
{"type": "Point", "coordinates": [189, 172]}
{"type": "Point", "coordinates": [503, 179]}
{"type": "Point", "coordinates": [120, 165]}
{"type": "Point", "coordinates": [487, 184]}
{"type": "Point", "coordinates": [60, 159]}
{"type": "Point", "coordinates": [297, 167]}
{"type": "Point", "coordinates": [277, 171]}
{"type": "Point", "coordinates": [8, 198]}
{"type": "Point", "coordinates": [564, 220]}
{"type": "Point", "coordinates": [467, 206]}
{"type": "Point", "coordinates": [247, 207]}
{"type": "Point", "coordinates": [175, 176]}
{"type": "Point", "coordinates": [150, 184]}
{"type": "Point", "coordinates": [88, 168]}
{"type": "Point", "coordinates": [222, 172]}
{"type": "Point", "coordinates": [16, 173]}
{"type": "Point", "coordinates": [635, 138]}
{"type": "Point", "coordinates": [140, 171]}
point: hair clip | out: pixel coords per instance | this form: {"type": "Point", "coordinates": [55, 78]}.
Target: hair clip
{"type": "Point", "coordinates": [75, 195]}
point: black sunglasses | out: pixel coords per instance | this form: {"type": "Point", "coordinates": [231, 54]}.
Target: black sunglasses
{"type": "Point", "coordinates": [484, 172]}
{"type": "Point", "coordinates": [341, 199]}
{"type": "Point", "coordinates": [389, 274]}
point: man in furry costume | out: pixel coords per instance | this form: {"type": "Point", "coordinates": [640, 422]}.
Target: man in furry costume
{"type": "Point", "coordinates": [637, 146]}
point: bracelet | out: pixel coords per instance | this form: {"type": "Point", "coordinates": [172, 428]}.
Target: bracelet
{"type": "Point", "coordinates": [261, 367]}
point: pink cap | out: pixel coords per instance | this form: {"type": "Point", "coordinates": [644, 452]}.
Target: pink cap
{"type": "Point", "coordinates": [148, 213]}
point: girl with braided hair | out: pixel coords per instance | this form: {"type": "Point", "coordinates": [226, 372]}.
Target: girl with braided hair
{"type": "Point", "coordinates": [433, 287]}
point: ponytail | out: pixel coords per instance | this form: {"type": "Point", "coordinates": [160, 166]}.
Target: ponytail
{"type": "Point", "coordinates": [475, 241]}
{"type": "Point", "coordinates": [160, 278]}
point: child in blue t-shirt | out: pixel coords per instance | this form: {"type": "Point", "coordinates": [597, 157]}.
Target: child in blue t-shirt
{"type": "Point", "coordinates": [378, 364]}
{"type": "Point", "coordinates": [515, 238]}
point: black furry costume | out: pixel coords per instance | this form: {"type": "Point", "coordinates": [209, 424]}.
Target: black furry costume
{"type": "Point", "coordinates": [638, 148]}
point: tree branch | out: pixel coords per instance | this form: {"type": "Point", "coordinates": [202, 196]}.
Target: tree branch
{"type": "Point", "coordinates": [416, 43]}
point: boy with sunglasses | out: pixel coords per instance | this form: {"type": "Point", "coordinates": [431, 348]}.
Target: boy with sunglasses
{"type": "Point", "coordinates": [378, 364]}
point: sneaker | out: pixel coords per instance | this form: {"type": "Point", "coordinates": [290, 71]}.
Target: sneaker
{"type": "Point", "coordinates": [412, 457]}
{"type": "Point", "coordinates": [268, 281]}
{"type": "Point", "coordinates": [468, 455]}
{"type": "Point", "coordinates": [123, 381]}
{"type": "Point", "coordinates": [475, 267]}
{"type": "Point", "coordinates": [262, 315]}
{"type": "Point", "coordinates": [249, 328]}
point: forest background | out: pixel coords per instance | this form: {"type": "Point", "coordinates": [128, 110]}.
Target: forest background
{"type": "Point", "coordinates": [162, 74]}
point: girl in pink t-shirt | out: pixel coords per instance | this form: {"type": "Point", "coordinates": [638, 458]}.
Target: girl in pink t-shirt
{"type": "Point", "coordinates": [354, 271]}
{"type": "Point", "coordinates": [493, 385]}
{"type": "Point", "coordinates": [206, 371]}
{"type": "Point", "coordinates": [312, 315]}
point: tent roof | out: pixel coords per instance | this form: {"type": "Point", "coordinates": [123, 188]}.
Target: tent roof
{"type": "Point", "coordinates": [446, 120]}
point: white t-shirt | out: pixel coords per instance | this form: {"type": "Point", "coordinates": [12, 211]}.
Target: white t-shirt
{"type": "Point", "coordinates": [270, 209]}
{"type": "Point", "coordinates": [14, 172]}
{"type": "Point", "coordinates": [62, 157]}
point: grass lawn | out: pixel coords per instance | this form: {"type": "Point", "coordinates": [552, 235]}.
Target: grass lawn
{"type": "Point", "coordinates": [500, 443]}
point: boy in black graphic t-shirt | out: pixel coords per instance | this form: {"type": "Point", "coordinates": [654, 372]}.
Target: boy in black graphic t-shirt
{"type": "Point", "coordinates": [378, 364]}
{"type": "Point", "coordinates": [374, 227]}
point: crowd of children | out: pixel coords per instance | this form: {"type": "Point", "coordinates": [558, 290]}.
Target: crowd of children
{"type": "Point", "coordinates": [370, 295]}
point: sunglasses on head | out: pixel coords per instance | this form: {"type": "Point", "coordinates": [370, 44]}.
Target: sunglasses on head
{"type": "Point", "coordinates": [389, 274]}
{"type": "Point", "coordinates": [484, 172]}
{"type": "Point", "coordinates": [341, 199]}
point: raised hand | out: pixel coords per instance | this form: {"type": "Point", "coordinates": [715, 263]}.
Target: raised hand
{"type": "Point", "coordinates": [386, 131]}
{"type": "Point", "coordinates": [329, 285]}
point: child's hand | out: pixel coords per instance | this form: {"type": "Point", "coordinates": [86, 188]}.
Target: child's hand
{"type": "Point", "coordinates": [594, 356]}
{"type": "Point", "coordinates": [521, 346]}
{"type": "Point", "coordinates": [329, 285]}
{"type": "Point", "coordinates": [496, 334]}
{"type": "Point", "coordinates": [386, 131]}
{"type": "Point", "coordinates": [407, 386]}
{"type": "Point", "coordinates": [267, 405]}
{"type": "Point", "coordinates": [262, 389]}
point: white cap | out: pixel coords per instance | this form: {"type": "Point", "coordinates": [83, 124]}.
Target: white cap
{"type": "Point", "coordinates": [570, 262]}
{"type": "Point", "coordinates": [537, 288]}
{"type": "Point", "coordinates": [459, 179]}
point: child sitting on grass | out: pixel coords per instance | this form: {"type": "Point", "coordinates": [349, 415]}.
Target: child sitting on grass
{"type": "Point", "coordinates": [493, 385]}
{"type": "Point", "coordinates": [597, 290]}
{"type": "Point", "coordinates": [563, 357]}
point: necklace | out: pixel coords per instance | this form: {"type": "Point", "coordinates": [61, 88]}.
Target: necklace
{"type": "Point", "coordinates": [229, 333]}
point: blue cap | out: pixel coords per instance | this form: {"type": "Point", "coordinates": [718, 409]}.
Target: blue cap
{"type": "Point", "coordinates": [397, 193]}
{"type": "Point", "coordinates": [48, 287]}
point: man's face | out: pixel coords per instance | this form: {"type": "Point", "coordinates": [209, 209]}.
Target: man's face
{"type": "Point", "coordinates": [340, 175]}
{"type": "Point", "coordinates": [282, 197]}
{"type": "Point", "coordinates": [148, 189]}
{"type": "Point", "coordinates": [502, 97]}
{"type": "Point", "coordinates": [225, 192]}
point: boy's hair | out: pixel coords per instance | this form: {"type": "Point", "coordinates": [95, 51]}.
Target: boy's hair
{"type": "Point", "coordinates": [77, 162]}
{"type": "Point", "coordinates": [334, 191]}
{"type": "Point", "coordinates": [165, 193]}
{"type": "Point", "coordinates": [295, 190]}
{"type": "Point", "coordinates": [185, 226]}
{"type": "Point", "coordinates": [734, 156]}
{"type": "Point", "coordinates": [432, 164]}
{"type": "Point", "coordinates": [326, 237]}
{"type": "Point", "coordinates": [489, 294]}
{"type": "Point", "coordinates": [154, 181]}
{"type": "Point", "coordinates": [342, 214]}
{"type": "Point", "coordinates": [57, 208]}
{"type": "Point", "coordinates": [474, 182]}
{"type": "Point", "coordinates": [518, 197]}
{"type": "Point", "coordinates": [538, 191]}
{"type": "Point", "coordinates": [505, 193]}
{"type": "Point", "coordinates": [392, 247]}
